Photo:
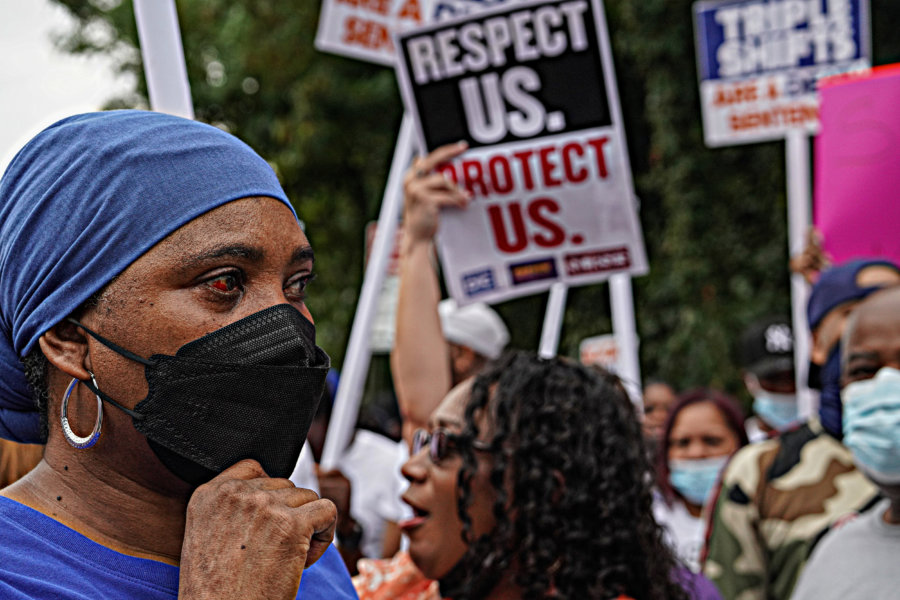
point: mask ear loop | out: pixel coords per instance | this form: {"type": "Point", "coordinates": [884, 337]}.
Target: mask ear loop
{"type": "Point", "coordinates": [74, 440]}
{"type": "Point", "coordinates": [93, 384]}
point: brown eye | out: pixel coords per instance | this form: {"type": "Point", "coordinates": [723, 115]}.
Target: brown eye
{"type": "Point", "coordinates": [297, 287]}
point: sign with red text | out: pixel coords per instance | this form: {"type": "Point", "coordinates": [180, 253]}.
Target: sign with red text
{"type": "Point", "coordinates": [362, 29]}
{"type": "Point", "coordinates": [530, 87]}
{"type": "Point", "coordinates": [599, 350]}
{"type": "Point", "coordinates": [759, 61]}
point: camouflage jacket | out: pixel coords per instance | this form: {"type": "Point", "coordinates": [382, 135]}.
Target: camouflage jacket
{"type": "Point", "coordinates": [776, 497]}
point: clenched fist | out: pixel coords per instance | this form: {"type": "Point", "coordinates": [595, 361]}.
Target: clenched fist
{"type": "Point", "coordinates": [250, 536]}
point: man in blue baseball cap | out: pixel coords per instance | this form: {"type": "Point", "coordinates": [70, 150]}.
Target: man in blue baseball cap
{"type": "Point", "coordinates": [779, 495]}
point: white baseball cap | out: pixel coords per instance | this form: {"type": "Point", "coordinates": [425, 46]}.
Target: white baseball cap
{"type": "Point", "coordinates": [474, 325]}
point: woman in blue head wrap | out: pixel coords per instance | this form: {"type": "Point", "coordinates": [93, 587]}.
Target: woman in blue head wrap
{"type": "Point", "coordinates": [153, 332]}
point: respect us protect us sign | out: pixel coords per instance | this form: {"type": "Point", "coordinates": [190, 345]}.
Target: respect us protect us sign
{"type": "Point", "coordinates": [530, 87]}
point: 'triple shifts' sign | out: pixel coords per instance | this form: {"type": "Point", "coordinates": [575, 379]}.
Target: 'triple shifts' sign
{"type": "Point", "coordinates": [759, 61]}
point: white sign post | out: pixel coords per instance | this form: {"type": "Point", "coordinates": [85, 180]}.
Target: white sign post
{"type": "Point", "coordinates": [547, 163]}
{"type": "Point", "coordinates": [356, 360]}
{"type": "Point", "coordinates": [163, 56]}
{"type": "Point", "coordinates": [758, 64]}
{"type": "Point", "coordinates": [553, 318]}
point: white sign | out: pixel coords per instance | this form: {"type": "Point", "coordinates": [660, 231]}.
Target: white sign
{"type": "Point", "coordinates": [530, 87]}
{"type": "Point", "coordinates": [363, 29]}
{"type": "Point", "coordinates": [603, 351]}
{"type": "Point", "coordinates": [759, 61]}
{"type": "Point", "coordinates": [384, 322]}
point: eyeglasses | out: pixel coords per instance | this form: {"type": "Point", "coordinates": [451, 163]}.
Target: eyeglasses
{"type": "Point", "coordinates": [441, 443]}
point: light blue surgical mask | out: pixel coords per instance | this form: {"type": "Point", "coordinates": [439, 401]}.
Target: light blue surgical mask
{"type": "Point", "coordinates": [778, 410]}
{"type": "Point", "coordinates": [695, 478]}
{"type": "Point", "coordinates": [872, 425]}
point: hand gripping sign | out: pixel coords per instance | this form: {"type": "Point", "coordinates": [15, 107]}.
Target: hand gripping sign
{"type": "Point", "coordinates": [530, 86]}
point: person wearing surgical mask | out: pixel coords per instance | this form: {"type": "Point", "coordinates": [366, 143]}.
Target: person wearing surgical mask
{"type": "Point", "coordinates": [866, 545]}
{"type": "Point", "coordinates": [778, 495]}
{"type": "Point", "coordinates": [703, 430]}
{"type": "Point", "coordinates": [767, 356]}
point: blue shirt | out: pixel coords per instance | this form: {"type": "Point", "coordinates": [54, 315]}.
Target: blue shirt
{"type": "Point", "coordinates": [42, 558]}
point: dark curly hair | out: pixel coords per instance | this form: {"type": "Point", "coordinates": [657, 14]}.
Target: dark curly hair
{"type": "Point", "coordinates": [572, 483]}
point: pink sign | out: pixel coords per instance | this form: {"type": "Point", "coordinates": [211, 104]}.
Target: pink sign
{"type": "Point", "coordinates": [857, 170]}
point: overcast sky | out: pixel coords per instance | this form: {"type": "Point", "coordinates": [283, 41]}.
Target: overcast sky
{"type": "Point", "coordinates": [38, 84]}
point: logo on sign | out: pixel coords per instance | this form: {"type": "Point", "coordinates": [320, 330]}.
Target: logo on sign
{"type": "Point", "coordinates": [533, 270]}
{"type": "Point", "coordinates": [597, 261]}
{"type": "Point", "coordinates": [478, 282]}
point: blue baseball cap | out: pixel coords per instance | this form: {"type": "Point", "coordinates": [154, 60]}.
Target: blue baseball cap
{"type": "Point", "coordinates": [838, 285]}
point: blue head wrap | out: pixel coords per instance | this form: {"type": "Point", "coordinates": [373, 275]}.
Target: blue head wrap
{"type": "Point", "coordinates": [82, 201]}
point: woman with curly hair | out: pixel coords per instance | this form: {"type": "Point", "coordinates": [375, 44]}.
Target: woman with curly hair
{"type": "Point", "coordinates": [531, 482]}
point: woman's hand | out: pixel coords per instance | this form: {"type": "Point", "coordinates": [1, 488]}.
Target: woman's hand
{"type": "Point", "coordinates": [248, 535]}
{"type": "Point", "coordinates": [427, 191]}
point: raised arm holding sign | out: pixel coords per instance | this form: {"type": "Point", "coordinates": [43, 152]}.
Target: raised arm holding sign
{"type": "Point", "coordinates": [530, 87]}
{"type": "Point", "coordinates": [420, 360]}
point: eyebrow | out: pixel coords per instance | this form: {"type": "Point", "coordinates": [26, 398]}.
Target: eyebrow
{"type": "Point", "coordinates": [252, 253]}
{"type": "Point", "coordinates": [862, 356]}
{"type": "Point", "coordinates": [303, 254]}
{"type": "Point", "coordinates": [233, 251]}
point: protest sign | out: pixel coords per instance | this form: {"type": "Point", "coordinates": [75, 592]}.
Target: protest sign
{"type": "Point", "coordinates": [530, 87]}
{"type": "Point", "coordinates": [384, 321]}
{"type": "Point", "coordinates": [759, 60]}
{"type": "Point", "coordinates": [362, 29]}
{"type": "Point", "coordinates": [600, 350]}
{"type": "Point", "coordinates": [856, 170]}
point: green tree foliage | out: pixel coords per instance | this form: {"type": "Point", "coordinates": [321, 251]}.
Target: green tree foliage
{"type": "Point", "coordinates": [714, 219]}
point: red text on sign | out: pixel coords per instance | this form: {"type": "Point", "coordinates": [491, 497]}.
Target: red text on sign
{"type": "Point", "coordinates": [778, 116]}
{"type": "Point", "coordinates": [411, 10]}
{"type": "Point", "coordinates": [366, 33]}
{"type": "Point", "coordinates": [524, 170]}
{"type": "Point", "coordinates": [382, 7]}
{"type": "Point", "coordinates": [512, 234]}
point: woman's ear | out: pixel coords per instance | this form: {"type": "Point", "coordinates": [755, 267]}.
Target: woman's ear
{"type": "Point", "coordinates": [66, 349]}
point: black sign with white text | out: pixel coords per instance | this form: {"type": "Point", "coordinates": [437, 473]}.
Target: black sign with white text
{"type": "Point", "coordinates": [530, 86]}
{"type": "Point", "coordinates": [526, 72]}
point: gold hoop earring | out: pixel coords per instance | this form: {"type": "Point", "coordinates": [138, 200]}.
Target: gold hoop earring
{"type": "Point", "coordinates": [74, 440]}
